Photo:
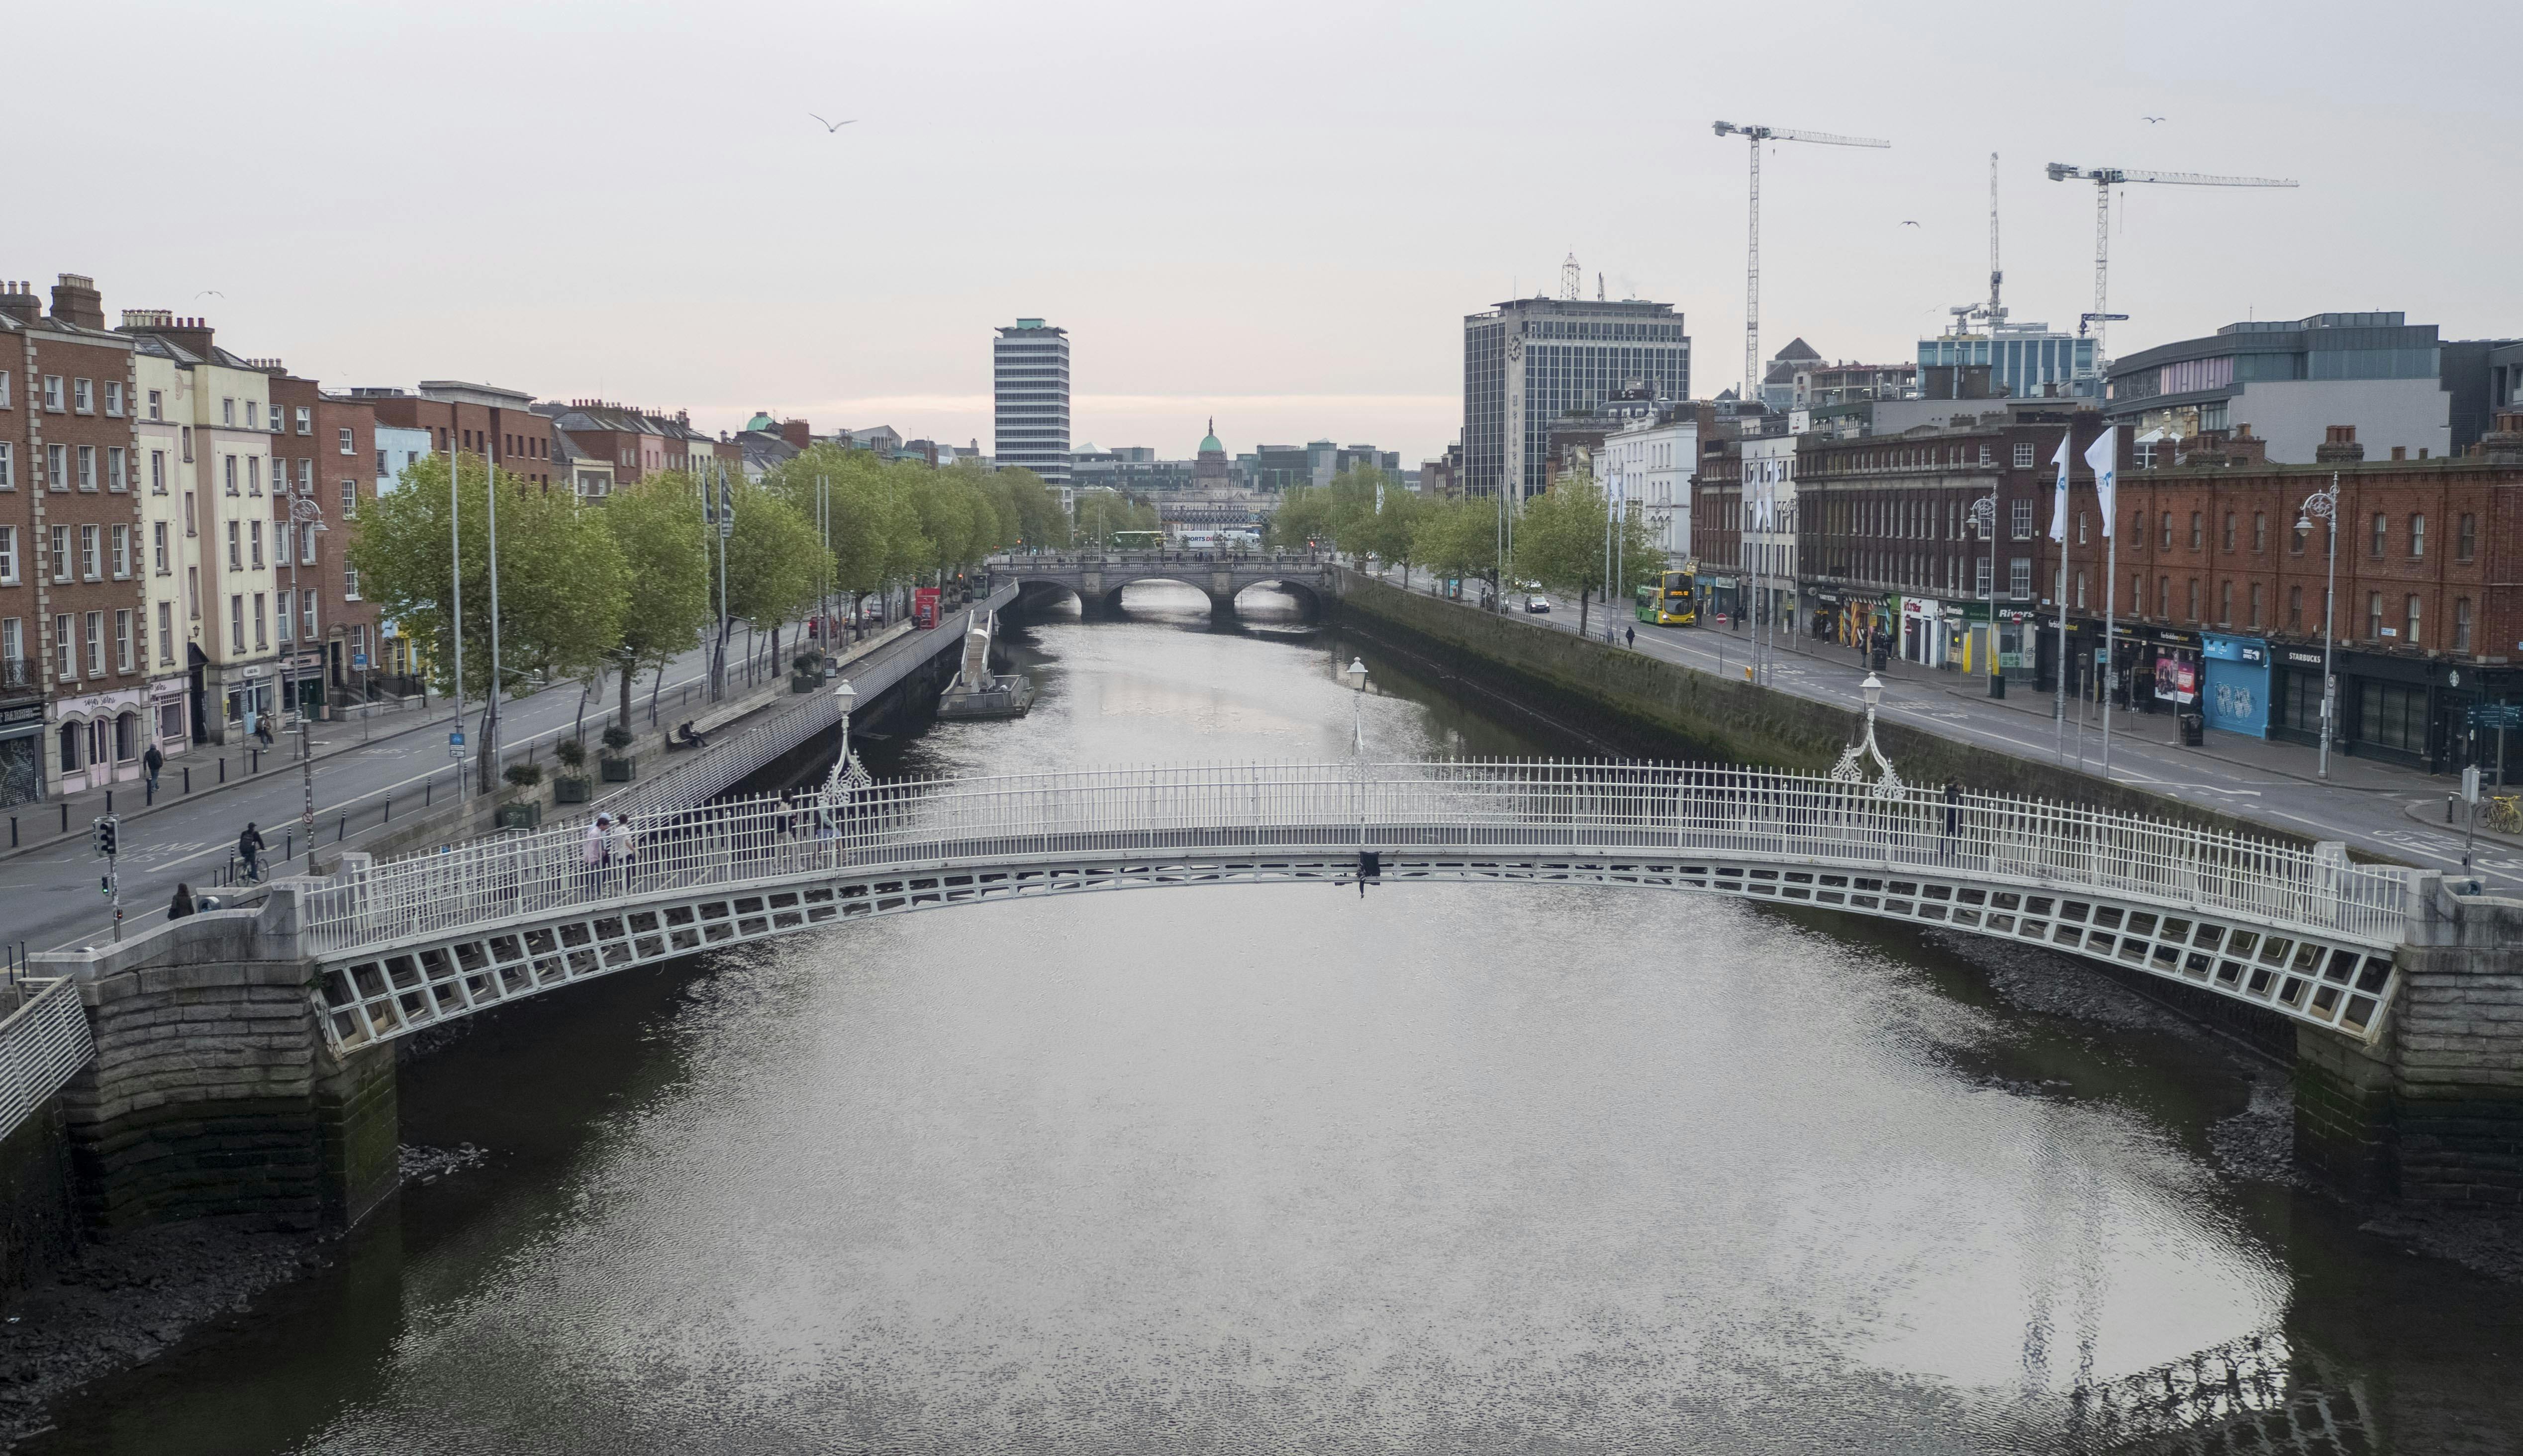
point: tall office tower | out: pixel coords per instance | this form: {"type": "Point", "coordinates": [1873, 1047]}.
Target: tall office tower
{"type": "Point", "coordinates": [1530, 362]}
{"type": "Point", "coordinates": [1029, 376]}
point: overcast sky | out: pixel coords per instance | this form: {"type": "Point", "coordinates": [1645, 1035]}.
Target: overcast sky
{"type": "Point", "coordinates": [1274, 214]}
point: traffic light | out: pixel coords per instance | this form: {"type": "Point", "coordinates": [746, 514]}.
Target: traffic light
{"type": "Point", "coordinates": [107, 830]}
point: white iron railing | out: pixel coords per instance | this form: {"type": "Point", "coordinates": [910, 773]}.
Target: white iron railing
{"type": "Point", "coordinates": [1490, 807]}
{"type": "Point", "coordinates": [41, 1043]}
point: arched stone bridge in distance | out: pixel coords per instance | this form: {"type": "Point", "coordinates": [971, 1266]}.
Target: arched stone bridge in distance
{"type": "Point", "coordinates": [401, 946]}
{"type": "Point", "coordinates": [1097, 577]}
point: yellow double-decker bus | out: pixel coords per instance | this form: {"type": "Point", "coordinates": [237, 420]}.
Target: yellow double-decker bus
{"type": "Point", "coordinates": [1672, 602]}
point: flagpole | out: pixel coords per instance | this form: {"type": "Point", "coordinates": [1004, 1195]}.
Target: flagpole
{"type": "Point", "coordinates": [491, 708]}
{"type": "Point", "coordinates": [456, 597]}
{"type": "Point", "coordinates": [2059, 533]}
{"type": "Point", "coordinates": [2103, 455]}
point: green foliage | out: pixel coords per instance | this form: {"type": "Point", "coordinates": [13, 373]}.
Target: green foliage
{"type": "Point", "coordinates": [617, 737]}
{"type": "Point", "coordinates": [664, 544]}
{"type": "Point", "coordinates": [563, 585]}
{"type": "Point", "coordinates": [1102, 512]}
{"type": "Point", "coordinates": [571, 753]}
{"type": "Point", "coordinates": [1459, 539]}
{"type": "Point", "coordinates": [523, 776]}
{"type": "Point", "coordinates": [1560, 541]}
{"type": "Point", "coordinates": [772, 570]}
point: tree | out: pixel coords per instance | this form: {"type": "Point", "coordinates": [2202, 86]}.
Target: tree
{"type": "Point", "coordinates": [564, 587]}
{"type": "Point", "coordinates": [1563, 541]}
{"type": "Point", "coordinates": [773, 566]}
{"type": "Point", "coordinates": [1459, 539]}
{"type": "Point", "coordinates": [1101, 512]}
{"type": "Point", "coordinates": [1392, 531]}
{"type": "Point", "coordinates": [657, 526]}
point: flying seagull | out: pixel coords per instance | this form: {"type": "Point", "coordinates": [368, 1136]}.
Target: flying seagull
{"type": "Point", "coordinates": [1905, 223]}
{"type": "Point", "coordinates": [210, 293]}
{"type": "Point", "coordinates": [832, 127]}
{"type": "Point", "coordinates": [2154, 118]}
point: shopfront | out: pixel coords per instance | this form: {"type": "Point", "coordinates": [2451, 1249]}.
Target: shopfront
{"type": "Point", "coordinates": [249, 700]}
{"type": "Point", "coordinates": [1862, 617]}
{"type": "Point", "coordinates": [22, 753]}
{"type": "Point", "coordinates": [2236, 690]}
{"type": "Point", "coordinates": [1822, 620]}
{"type": "Point", "coordinates": [2161, 669]}
{"type": "Point", "coordinates": [168, 718]}
{"type": "Point", "coordinates": [303, 690]}
{"type": "Point", "coordinates": [1725, 599]}
{"type": "Point", "coordinates": [2295, 695]}
{"type": "Point", "coordinates": [98, 738]}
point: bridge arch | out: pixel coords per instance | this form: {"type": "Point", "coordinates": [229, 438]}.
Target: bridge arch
{"type": "Point", "coordinates": [409, 944]}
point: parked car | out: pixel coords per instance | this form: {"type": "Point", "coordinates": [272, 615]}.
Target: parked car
{"type": "Point", "coordinates": [1537, 605]}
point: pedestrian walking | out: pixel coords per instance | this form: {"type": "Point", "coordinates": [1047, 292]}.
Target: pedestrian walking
{"type": "Point", "coordinates": [597, 851]}
{"type": "Point", "coordinates": [153, 761]}
{"type": "Point", "coordinates": [619, 846]}
{"type": "Point", "coordinates": [250, 849]}
{"type": "Point", "coordinates": [182, 905]}
{"type": "Point", "coordinates": [262, 728]}
{"type": "Point", "coordinates": [1630, 636]}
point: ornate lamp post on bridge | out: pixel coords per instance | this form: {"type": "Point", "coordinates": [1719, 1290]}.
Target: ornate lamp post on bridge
{"type": "Point", "coordinates": [2323, 505]}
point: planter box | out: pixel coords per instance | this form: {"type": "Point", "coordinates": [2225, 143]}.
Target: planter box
{"type": "Point", "coordinates": [525, 813]}
{"type": "Point", "coordinates": [570, 791]}
{"type": "Point", "coordinates": [802, 682]}
{"type": "Point", "coordinates": [616, 769]}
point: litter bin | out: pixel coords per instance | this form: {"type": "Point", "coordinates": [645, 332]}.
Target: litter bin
{"type": "Point", "coordinates": [1997, 684]}
{"type": "Point", "coordinates": [2194, 729]}
{"type": "Point", "coordinates": [1876, 661]}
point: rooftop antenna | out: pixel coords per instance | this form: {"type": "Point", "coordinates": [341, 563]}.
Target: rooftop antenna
{"type": "Point", "coordinates": [1571, 278]}
{"type": "Point", "coordinates": [2105, 179]}
{"type": "Point", "coordinates": [1757, 135]}
{"type": "Point", "coordinates": [1996, 274]}
{"type": "Point", "coordinates": [1598, 288]}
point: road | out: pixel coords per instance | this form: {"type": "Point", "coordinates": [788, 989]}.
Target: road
{"type": "Point", "coordinates": [52, 893]}
{"type": "Point", "coordinates": [2366, 804]}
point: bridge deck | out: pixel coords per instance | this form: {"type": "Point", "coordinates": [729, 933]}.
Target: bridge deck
{"type": "Point", "coordinates": [409, 943]}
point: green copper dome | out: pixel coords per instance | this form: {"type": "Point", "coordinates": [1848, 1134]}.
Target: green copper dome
{"type": "Point", "coordinates": [1209, 441]}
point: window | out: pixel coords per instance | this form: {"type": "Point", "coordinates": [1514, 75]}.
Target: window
{"type": "Point", "coordinates": [65, 654]}
{"type": "Point", "coordinates": [156, 472]}
{"type": "Point", "coordinates": [2374, 615]}
{"type": "Point", "coordinates": [87, 467]}
{"type": "Point", "coordinates": [2193, 598]}
{"type": "Point", "coordinates": [2167, 531]}
{"type": "Point", "coordinates": [306, 543]}
{"type": "Point", "coordinates": [2295, 609]}
{"type": "Point", "coordinates": [165, 633]}
{"type": "Point", "coordinates": [2022, 519]}
{"type": "Point", "coordinates": [114, 478]}
{"type": "Point", "coordinates": [114, 397]}
{"type": "Point", "coordinates": [306, 607]}
{"type": "Point", "coordinates": [227, 411]}
{"type": "Point", "coordinates": [53, 393]}
{"type": "Point", "coordinates": [2080, 589]}
{"type": "Point", "coordinates": [193, 593]}
{"type": "Point", "coordinates": [261, 639]}
{"type": "Point", "coordinates": [2260, 530]}
{"type": "Point", "coordinates": [2465, 541]}
{"type": "Point", "coordinates": [1979, 578]}
{"type": "Point", "coordinates": [230, 462]}
{"type": "Point", "coordinates": [2197, 536]}
{"type": "Point", "coordinates": [94, 625]}
{"type": "Point", "coordinates": [350, 584]}
{"type": "Point", "coordinates": [2081, 528]}
{"type": "Point", "coordinates": [236, 623]}
{"type": "Point", "coordinates": [2461, 624]}
{"type": "Point", "coordinates": [2410, 638]}
{"type": "Point", "coordinates": [350, 500]}
{"type": "Point", "coordinates": [2417, 537]}
{"type": "Point", "coordinates": [122, 639]}
{"type": "Point", "coordinates": [122, 553]}
{"type": "Point", "coordinates": [8, 555]}
{"type": "Point", "coordinates": [190, 529]}
{"type": "Point", "coordinates": [158, 547]}
{"type": "Point", "coordinates": [157, 404]}
{"type": "Point", "coordinates": [2024, 454]}
{"type": "Point", "coordinates": [347, 447]}
{"type": "Point", "coordinates": [57, 470]}
{"type": "Point", "coordinates": [60, 554]}
{"type": "Point", "coordinates": [8, 467]}
{"type": "Point", "coordinates": [84, 395]}
{"type": "Point", "coordinates": [2382, 527]}
{"type": "Point", "coordinates": [253, 474]}
{"type": "Point", "coordinates": [254, 539]}
{"type": "Point", "coordinates": [381, 459]}
{"type": "Point", "coordinates": [236, 550]}
{"type": "Point", "coordinates": [185, 431]}
{"type": "Point", "coordinates": [305, 420]}
{"type": "Point", "coordinates": [253, 415]}
{"type": "Point", "coordinates": [2018, 577]}
{"type": "Point", "coordinates": [12, 644]}
{"type": "Point", "coordinates": [285, 638]}
{"type": "Point", "coordinates": [4, 405]}
{"type": "Point", "coordinates": [2137, 596]}
{"type": "Point", "coordinates": [2392, 714]}
{"type": "Point", "coordinates": [2229, 531]}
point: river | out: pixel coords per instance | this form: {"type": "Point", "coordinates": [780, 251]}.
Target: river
{"type": "Point", "coordinates": [1265, 1168]}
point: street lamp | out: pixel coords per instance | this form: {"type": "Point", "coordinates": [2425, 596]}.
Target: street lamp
{"type": "Point", "coordinates": [305, 516]}
{"type": "Point", "coordinates": [2324, 505]}
{"type": "Point", "coordinates": [845, 697]}
{"type": "Point", "coordinates": [1983, 515]}
{"type": "Point", "coordinates": [1355, 674]}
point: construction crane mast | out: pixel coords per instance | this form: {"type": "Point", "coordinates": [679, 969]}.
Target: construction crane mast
{"type": "Point", "coordinates": [1996, 275]}
{"type": "Point", "coordinates": [1757, 135]}
{"type": "Point", "coordinates": [2105, 179]}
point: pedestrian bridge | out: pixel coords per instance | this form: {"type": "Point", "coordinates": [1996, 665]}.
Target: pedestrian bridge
{"type": "Point", "coordinates": [1096, 578]}
{"type": "Point", "coordinates": [403, 945]}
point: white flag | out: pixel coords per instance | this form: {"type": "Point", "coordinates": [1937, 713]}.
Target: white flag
{"type": "Point", "coordinates": [2104, 455]}
{"type": "Point", "coordinates": [2058, 511]}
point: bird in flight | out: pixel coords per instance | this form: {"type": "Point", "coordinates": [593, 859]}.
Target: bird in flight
{"type": "Point", "coordinates": [1906, 222]}
{"type": "Point", "coordinates": [832, 127]}
{"type": "Point", "coordinates": [2154, 118]}
{"type": "Point", "coordinates": [210, 293]}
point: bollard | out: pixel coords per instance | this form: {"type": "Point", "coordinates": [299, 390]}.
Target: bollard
{"type": "Point", "coordinates": [223, 769]}
{"type": "Point", "coordinates": [65, 817]}
{"type": "Point", "coordinates": [188, 778]}
{"type": "Point", "coordinates": [426, 785]}
{"type": "Point", "coordinates": [342, 828]}
{"type": "Point", "coordinates": [288, 846]}
{"type": "Point", "coordinates": [387, 817]}
{"type": "Point", "coordinates": [108, 801]}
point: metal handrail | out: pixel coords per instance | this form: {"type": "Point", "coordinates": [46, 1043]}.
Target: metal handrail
{"type": "Point", "coordinates": [1505, 807]}
{"type": "Point", "coordinates": [42, 1044]}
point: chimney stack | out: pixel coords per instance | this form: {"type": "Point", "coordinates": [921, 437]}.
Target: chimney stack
{"type": "Point", "coordinates": [2339, 447]}
{"type": "Point", "coordinates": [2503, 446]}
{"type": "Point", "coordinates": [18, 301]}
{"type": "Point", "coordinates": [76, 302]}
{"type": "Point", "coordinates": [797, 433]}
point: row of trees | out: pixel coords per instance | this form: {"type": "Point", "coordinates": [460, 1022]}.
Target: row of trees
{"type": "Point", "coordinates": [634, 582]}
{"type": "Point", "coordinates": [1559, 538]}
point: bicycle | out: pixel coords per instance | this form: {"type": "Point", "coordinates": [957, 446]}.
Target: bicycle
{"type": "Point", "coordinates": [2505, 814]}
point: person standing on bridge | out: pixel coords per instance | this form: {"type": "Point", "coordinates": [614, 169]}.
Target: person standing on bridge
{"type": "Point", "coordinates": [597, 852]}
{"type": "Point", "coordinates": [1953, 814]}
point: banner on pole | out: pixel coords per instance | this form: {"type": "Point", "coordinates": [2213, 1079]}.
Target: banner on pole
{"type": "Point", "coordinates": [2059, 498]}
{"type": "Point", "coordinates": [2104, 455]}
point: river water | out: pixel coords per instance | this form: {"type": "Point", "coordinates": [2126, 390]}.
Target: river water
{"type": "Point", "coordinates": [1275, 1168]}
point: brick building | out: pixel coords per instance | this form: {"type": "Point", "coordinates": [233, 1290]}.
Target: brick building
{"type": "Point", "coordinates": [499, 425]}
{"type": "Point", "coordinates": [73, 649]}
{"type": "Point", "coordinates": [2226, 595]}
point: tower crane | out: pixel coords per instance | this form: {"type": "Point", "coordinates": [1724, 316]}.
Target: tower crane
{"type": "Point", "coordinates": [1757, 135]}
{"type": "Point", "coordinates": [2105, 179]}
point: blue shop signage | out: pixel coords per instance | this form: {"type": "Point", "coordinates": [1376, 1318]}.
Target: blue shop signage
{"type": "Point", "coordinates": [2236, 697]}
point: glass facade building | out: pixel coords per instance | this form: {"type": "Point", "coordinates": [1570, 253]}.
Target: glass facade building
{"type": "Point", "coordinates": [1530, 362]}
{"type": "Point", "coordinates": [2023, 360]}
{"type": "Point", "coordinates": [1029, 384]}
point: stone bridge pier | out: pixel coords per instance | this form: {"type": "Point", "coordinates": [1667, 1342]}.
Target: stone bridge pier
{"type": "Point", "coordinates": [2432, 1112]}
